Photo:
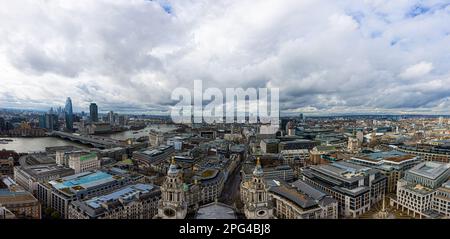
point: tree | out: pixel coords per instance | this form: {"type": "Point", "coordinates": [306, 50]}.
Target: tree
{"type": "Point", "coordinates": [48, 211]}
{"type": "Point", "coordinates": [55, 215]}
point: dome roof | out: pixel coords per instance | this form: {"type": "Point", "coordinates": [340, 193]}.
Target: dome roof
{"type": "Point", "coordinates": [173, 169]}
{"type": "Point", "coordinates": [258, 171]}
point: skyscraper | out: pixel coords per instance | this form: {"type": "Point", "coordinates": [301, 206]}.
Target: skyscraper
{"type": "Point", "coordinates": [93, 112]}
{"type": "Point", "coordinates": [2, 124]}
{"type": "Point", "coordinates": [111, 117]}
{"type": "Point", "coordinates": [69, 114]}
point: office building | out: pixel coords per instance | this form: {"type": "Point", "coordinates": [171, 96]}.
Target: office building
{"type": "Point", "coordinates": [111, 118]}
{"type": "Point", "coordinates": [211, 182]}
{"type": "Point", "coordinates": [269, 146]}
{"type": "Point", "coordinates": [6, 166]}
{"type": "Point", "coordinates": [150, 156]}
{"type": "Point", "coordinates": [18, 201]}
{"type": "Point", "coordinates": [78, 160]}
{"type": "Point", "coordinates": [322, 154]}
{"type": "Point", "coordinates": [60, 193]}
{"type": "Point", "coordinates": [29, 176]}
{"type": "Point", "coordinates": [301, 201]}
{"type": "Point", "coordinates": [355, 187]}
{"type": "Point", "coordinates": [274, 168]}
{"type": "Point", "coordinates": [2, 124]}
{"type": "Point", "coordinates": [156, 138]}
{"type": "Point", "coordinates": [97, 128]}
{"type": "Point", "coordinates": [441, 200]}
{"type": "Point", "coordinates": [82, 161]}
{"type": "Point", "coordinates": [427, 152]}
{"type": "Point", "coordinates": [297, 144]}
{"type": "Point", "coordinates": [69, 114]}
{"type": "Point", "coordinates": [137, 201]}
{"type": "Point", "coordinates": [393, 164]}
{"type": "Point", "coordinates": [93, 112]}
{"type": "Point", "coordinates": [296, 158]}
{"type": "Point", "coordinates": [417, 192]}
{"type": "Point", "coordinates": [42, 121]}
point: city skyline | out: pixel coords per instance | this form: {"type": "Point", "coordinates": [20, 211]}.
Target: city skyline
{"type": "Point", "coordinates": [327, 58]}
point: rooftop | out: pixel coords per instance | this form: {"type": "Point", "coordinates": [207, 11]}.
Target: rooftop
{"type": "Point", "coordinates": [344, 170]}
{"type": "Point", "coordinates": [11, 193]}
{"type": "Point", "coordinates": [155, 151]}
{"type": "Point", "coordinates": [309, 190]}
{"type": "Point", "coordinates": [430, 169]}
{"type": "Point", "coordinates": [271, 141]}
{"type": "Point", "coordinates": [446, 184]}
{"type": "Point", "coordinates": [46, 169]}
{"type": "Point", "coordinates": [292, 194]}
{"type": "Point", "coordinates": [97, 206]}
{"type": "Point", "coordinates": [88, 156]}
{"type": "Point", "coordinates": [216, 210]}
{"type": "Point", "coordinates": [82, 181]}
{"type": "Point", "coordinates": [127, 194]}
{"type": "Point", "coordinates": [393, 156]}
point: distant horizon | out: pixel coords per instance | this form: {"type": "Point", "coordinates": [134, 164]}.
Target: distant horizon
{"type": "Point", "coordinates": [282, 114]}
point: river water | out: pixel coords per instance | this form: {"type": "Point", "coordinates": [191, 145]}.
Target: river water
{"type": "Point", "coordinates": [139, 133]}
{"type": "Point", "coordinates": [28, 145]}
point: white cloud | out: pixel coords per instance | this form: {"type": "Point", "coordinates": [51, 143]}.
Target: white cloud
{"type": "Point", "coordinates": [417, 70]}
{"type": "Point", "coordinates": [324, 55]}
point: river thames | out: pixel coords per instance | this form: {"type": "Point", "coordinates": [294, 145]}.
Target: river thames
{"type": "Point", "coordinates": [28, 145]}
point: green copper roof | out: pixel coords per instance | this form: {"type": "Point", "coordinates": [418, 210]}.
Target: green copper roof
{"type": "Point", "coordinates": [88, 156]}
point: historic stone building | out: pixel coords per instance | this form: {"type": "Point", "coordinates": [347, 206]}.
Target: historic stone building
{"type": "Point", "coordinates": [254, 195]}
{"type": "Point", "coordinates": [173, 201]}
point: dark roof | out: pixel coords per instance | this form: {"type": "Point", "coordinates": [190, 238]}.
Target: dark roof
{"type": "Point", "coordinates": [309, 190]}
{"type": "Point", "coordinates": [290, 193]}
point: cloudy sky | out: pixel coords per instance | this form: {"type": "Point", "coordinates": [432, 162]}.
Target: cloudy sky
{"type": "Point", "coordinates": [325, 56]}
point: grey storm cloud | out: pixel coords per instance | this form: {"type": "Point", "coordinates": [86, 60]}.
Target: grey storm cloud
{"type": "Point", "coordinates": [129, 55]}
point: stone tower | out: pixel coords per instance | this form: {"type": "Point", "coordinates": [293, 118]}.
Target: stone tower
{"type": "Point", "coordinates": [257, 204]}
{"type": "Point", "coordinates": [172, 204]}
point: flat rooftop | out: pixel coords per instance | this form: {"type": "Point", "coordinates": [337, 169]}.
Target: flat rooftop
{"type": "Point", "coordinates": [393, 155]}
{"type": "Point", "coordinates": [307, 189]}
{"type": "Point", "coordinates": [344, 170]}
{"type": "Point", "coordinates": [271, 141]}
{"type": "Point", "coordinates": [446, 184]}
{"type": "Point", "coordinates": [127, 194]}
{"type": "Point", "coordinates": [11, 193]}
{"type": "Point", "coordinates": [82, 180]}
{"type": "Point", "coordinates": [297, 140]}
{"type": "Point", "coordinates": [430, 169]}
{"type": "Point", "coordinates": [46, 169]}
{"type": "Point", "coordinates": [155, 152]}
{"type": "Point", "coordinates": [292, 194]}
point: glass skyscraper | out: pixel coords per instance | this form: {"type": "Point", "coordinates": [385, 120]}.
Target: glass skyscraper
{"type": "Point", "coordinates": [69, 114]}
{"type": "Point", "coordinates": [93, 112]}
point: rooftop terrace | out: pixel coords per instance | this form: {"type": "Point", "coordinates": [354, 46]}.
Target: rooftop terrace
{"type": "Point", "coordinates": [82, 180]}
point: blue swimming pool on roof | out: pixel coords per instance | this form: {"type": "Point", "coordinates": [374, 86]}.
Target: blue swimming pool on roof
{"type": "Point", "coordinates": [83, 180]}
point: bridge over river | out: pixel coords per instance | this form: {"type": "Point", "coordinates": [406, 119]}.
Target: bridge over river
{"type": "Point", "coordinates": [95, 141]}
